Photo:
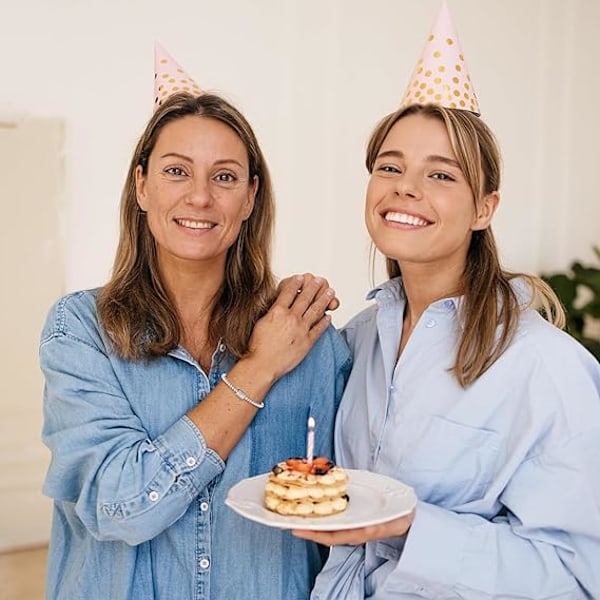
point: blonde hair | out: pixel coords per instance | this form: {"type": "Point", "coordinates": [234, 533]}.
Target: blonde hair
{"type": "Point", "coordinates": [134, 307]}
{"type": "Point", "coordinates": [489, 299]}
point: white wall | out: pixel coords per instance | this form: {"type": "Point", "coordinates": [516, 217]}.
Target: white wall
{"type": "Point", "coordinates": [30, 170]}
{"type": "Point", "coordinates": [313, 77]}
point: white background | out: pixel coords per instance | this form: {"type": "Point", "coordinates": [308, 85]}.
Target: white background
{"type": "Point", "coordinates": [313, 77]}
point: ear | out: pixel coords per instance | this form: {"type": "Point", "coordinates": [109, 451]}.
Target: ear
{"type": "Point", "coordinates": [140, 188]}
{"type": "Point", "coordinates": [486, 211]}
{"type": "Point", "coordinates": [249, 204]}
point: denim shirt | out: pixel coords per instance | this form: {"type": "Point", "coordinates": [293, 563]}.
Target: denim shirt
{"type": "Point", "coordinates": [507, 470]}
{"type": "Point", "coordinates": [139, 507]}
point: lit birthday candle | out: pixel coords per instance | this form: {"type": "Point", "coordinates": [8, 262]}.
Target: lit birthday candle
{"type": "Point", "coordinates": [310, 441]}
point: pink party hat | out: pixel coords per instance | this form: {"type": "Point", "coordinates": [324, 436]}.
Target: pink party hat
{"type": "Point", "coordinates": [441, 75]}
{"type": "Point", "coordinates": [169, 77]}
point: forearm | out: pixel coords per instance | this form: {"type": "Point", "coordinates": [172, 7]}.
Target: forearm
{"type": "Point", "coordinates": [280, 341]}
{"type": "Point", "coordinates": [222, 417]}
{"type": "Point", "coordinates": [448, 555]}
{"type": "Point", "coordinates": [138, 487]}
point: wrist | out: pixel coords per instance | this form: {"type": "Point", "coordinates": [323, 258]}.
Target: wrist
{"type": "Point", "coordinates": [260, 371]}
{"type": "Point", "coordinates": [252, 376]}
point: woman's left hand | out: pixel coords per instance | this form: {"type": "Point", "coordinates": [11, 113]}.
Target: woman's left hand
{"type": "Point", "coordinates": [334, 303]}
{"type": "Point", "coordinates": [355, 537]}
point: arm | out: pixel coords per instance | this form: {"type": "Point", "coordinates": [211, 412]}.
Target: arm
{"type": "Point", "coordinates": [279, 341]}
{"type": "Point", "coordinates": [546, 546]}
{"type": "Point", "coordinates": [124, 484]}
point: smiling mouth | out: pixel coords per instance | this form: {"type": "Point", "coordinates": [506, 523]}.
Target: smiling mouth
{"type": "Point", "coordinates": [190, 224]}
{"type": "Point", "coordinates": [405, 219]}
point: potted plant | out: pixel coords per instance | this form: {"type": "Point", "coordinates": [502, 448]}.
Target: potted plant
{"type": "Point", "coordinates": [579, 290]}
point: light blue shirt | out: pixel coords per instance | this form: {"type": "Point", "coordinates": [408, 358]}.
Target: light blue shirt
{"type": "Point", "coordinates": [507, 471]}
{"type": "Point", "coordinates": [139, 509]}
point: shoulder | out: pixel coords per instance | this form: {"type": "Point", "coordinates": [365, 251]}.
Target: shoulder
{"type": "Point", "coordinates": [360, 326]}
{"type": "Point", "coordinates": [331, 349]}
{"type": "Point", "coordinates": [551, 373]}
{"type": "Point", "coordinates": [72, 315]}
{"type": "Point", "coordinates": [548, 345]}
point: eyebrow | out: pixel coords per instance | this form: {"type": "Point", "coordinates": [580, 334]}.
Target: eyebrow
{"type": "Point", "coordinates": [431, 158]}
{"type": "Point", "coordinates": [222, 161]}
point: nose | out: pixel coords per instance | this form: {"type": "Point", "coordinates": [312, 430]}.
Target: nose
{"type": "Point", "coordinates": [408, 185]}
{"type": "Point", "coordinates": [199, 192]}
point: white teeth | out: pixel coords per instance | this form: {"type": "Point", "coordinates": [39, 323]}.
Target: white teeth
{"type": "Point", "coordinates": [195, 224]}
{"type": "Point", "coordinates": [404, 218]}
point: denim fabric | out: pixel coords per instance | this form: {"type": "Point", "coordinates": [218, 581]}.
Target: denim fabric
{"type": "Point", "coordinates": [138, 497]}
{"type": "Point", "coordinates": [506, 469]}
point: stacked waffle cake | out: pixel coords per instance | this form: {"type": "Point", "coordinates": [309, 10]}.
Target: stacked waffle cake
{"type": "Point", "coordinates": [296, 488]}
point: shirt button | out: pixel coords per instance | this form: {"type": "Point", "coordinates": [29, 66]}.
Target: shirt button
{"type": "Point", "coordinates": [204, 563]}
{"type": "Point", "coordinates": [153, 496]}
{"type": "Point", "coordinates": [190, 461]}
{"type": "Point", "coordinates": [203, 506]}
{"type": "Point", "coordinates": [431, 323]}
{"type": "Point", "coordinates": [222, 347]}
{"type": "Point", "coordinates": [448, 304]}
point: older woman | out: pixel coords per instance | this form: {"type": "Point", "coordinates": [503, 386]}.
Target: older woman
{"type": "Point", "coordinates": [183, 375]}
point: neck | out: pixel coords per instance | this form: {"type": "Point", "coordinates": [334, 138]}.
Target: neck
{"type": "Point", "coordinates": [191, 286]}
{"type": "Point", "coordinates": [193, 289]}
{"type": "Point", "coordinates": [425, 284]}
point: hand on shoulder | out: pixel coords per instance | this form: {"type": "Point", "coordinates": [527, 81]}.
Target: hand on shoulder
{"type": "Point", "coordinates": [295, 321]}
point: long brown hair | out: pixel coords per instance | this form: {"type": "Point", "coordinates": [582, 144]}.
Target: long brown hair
{"type": "Point", "coordinates": [490, 302]}
{"type": "Point", "coordinates": [134, 307]}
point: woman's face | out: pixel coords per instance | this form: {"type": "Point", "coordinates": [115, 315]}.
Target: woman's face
{"type": "Point", "coordinates": [196, 191]}
{"type": "Point", "coordinates": [420, 208]}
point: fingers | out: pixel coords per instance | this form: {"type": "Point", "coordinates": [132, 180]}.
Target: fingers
{"type": "Point", "coordinates": [288, 290]}
{"type": "Point", "coordinates": [318, 328]}
{"type": "Point", "coordinates": [396, 527]}
{"type": "Point", "coordinates": [301, 292]}
{"type": "Point", "coordinates": [334, 304]}
{"type": "Point", "coordinates": [309, 293]}
{"type": "Point", "coordinates": [295, 321]}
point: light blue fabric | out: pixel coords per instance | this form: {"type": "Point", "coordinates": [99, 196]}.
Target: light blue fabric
{"type": "Point", "coordinates": [507, 471]}
{"type": "Point", "coordinates": [139, 507]}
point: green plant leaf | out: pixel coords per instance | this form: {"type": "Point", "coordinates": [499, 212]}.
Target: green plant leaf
{"type": "Point", "coordinates": [564, 286]}
{"type": "Point", "coordinates": [568, 286]}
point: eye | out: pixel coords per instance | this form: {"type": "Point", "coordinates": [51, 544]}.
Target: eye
{"type": "Point", "coordinates": [388, 169]}
{"type": "Point", "coordinates": [175, 171]}
{"type": "Point", "coordinates": [225, 177]}
{"type": "Point", "coordinates": [443, 177]}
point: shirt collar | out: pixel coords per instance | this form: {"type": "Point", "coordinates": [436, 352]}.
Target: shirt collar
{"type": "Point", "coordinates": [392, 291]}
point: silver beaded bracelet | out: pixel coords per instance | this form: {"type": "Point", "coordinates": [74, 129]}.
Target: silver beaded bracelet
{"type": "Point", "coordinates": [241, 394]}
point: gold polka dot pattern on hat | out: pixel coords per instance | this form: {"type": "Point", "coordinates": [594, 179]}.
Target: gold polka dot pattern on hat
{"type": "Point", "coordinates": [170, 77]}
{"type": "Point", "coordinates": [442, 71]}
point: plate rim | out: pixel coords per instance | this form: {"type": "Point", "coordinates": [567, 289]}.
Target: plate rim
{"type": "Point", "coordinates": [323, 523]}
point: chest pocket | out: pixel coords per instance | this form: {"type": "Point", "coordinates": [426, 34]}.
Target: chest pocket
{"type": "Point", "coordinates": [449, 463]}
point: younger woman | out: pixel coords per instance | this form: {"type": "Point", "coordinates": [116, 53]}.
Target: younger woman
{"type": "Point", "coordinates": [462, 390]}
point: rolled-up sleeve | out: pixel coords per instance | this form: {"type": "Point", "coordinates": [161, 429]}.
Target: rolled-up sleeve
{"type": "Point", "coordinates": [546, 546]}
{"type": "Point", "coordinates": [123, 484]}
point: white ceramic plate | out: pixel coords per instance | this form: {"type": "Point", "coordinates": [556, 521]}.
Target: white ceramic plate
{"type": "Point", "coordinates": [374, 499]}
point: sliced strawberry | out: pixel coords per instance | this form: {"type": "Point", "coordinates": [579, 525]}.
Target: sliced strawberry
{"type": "Point", "coordinates": [298, 464]}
